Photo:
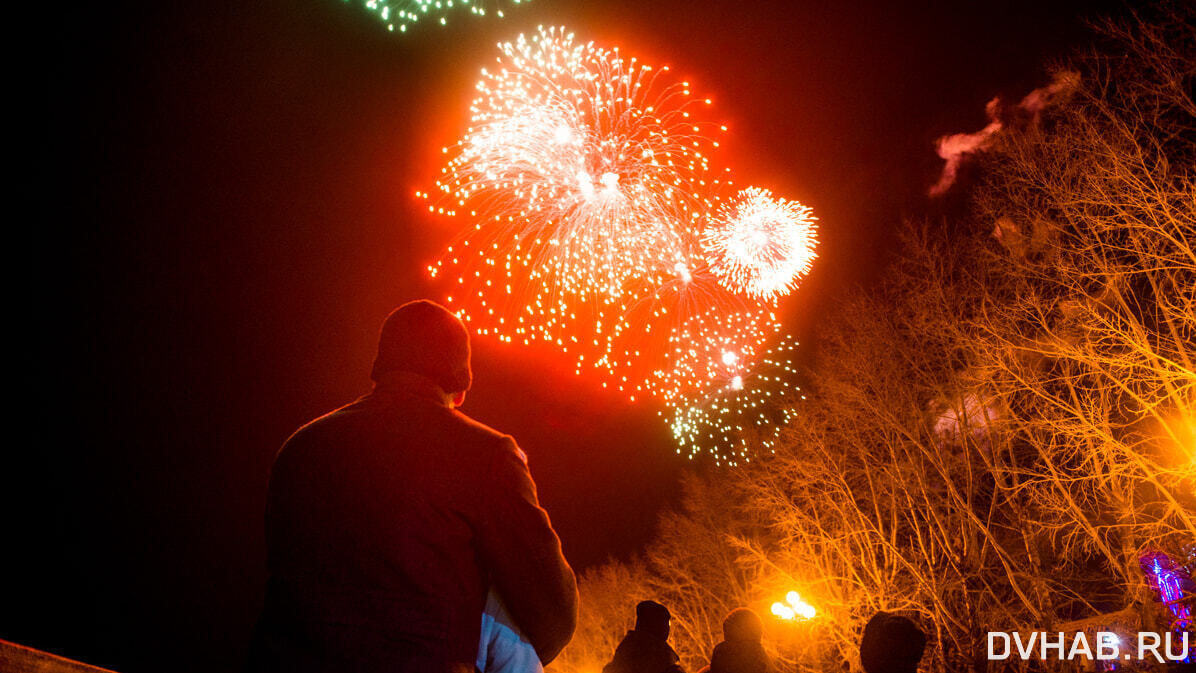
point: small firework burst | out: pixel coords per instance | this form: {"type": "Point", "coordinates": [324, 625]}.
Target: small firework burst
{"type": "Point", "coordinates": [743, 409]}
{"type": "Point", "coordinates": [398, 15]}
{"type": "Point", "coordinates": [710, 348]}
{"type": "Point", "coordinates": [760, 245]}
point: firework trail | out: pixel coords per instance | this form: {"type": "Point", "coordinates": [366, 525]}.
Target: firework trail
{"type": "Point", "coordinates": [400, 14]}
{"type": "Point", "coordinates": [598, 226]}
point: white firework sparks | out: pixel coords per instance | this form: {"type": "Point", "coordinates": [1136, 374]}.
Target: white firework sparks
{"type": "Point", "coordinates": [760, 245]}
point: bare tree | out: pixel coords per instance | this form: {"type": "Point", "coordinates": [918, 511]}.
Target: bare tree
{"type": "Point", "coordinates": [993, 438]}
{"type": "Point", "coordinates": [1087, 330]}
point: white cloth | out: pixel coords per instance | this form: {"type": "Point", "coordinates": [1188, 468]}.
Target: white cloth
{"type": "Point", "coordinates": [503, 648]}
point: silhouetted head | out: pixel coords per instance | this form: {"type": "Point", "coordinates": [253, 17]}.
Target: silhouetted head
{"type": "Point", "coordinates": [423, 337]}
{"type": "Point", "coordinates": [891, 644]}
{"type": "Point", "coordinates": [652, 618]}
{"type": "Point", "coordinates": [743, 624]}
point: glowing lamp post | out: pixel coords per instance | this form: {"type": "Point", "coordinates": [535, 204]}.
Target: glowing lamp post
{"type": "Point", "coordinates": [794, 608]}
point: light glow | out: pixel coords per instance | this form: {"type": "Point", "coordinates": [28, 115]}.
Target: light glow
{"type": "Point", "coordinates": [794, 608]}
{"type": "Point", "coordinates": [581, 172]}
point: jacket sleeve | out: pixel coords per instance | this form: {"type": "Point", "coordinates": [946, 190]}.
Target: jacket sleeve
{"type": "Point", "coordinates": [523, 555]}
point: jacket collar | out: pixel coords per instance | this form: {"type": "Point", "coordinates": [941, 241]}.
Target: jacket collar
{"type": "Point", "coordinates": [409, 384]}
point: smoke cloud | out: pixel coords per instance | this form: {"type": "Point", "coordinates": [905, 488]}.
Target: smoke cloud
{"type": "Point", "coordinates": [956, 147]}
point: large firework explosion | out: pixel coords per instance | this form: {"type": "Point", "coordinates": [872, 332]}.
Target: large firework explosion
{"type": "Point", "coordinates": [596, 227]}
{"type": "Point", "coordinates": [584, 173]}
{"type": "Point", "coordinates": [398, 15]}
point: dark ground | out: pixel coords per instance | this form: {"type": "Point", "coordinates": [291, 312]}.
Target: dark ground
{"type": "Point", "coordinates": [225, 215]}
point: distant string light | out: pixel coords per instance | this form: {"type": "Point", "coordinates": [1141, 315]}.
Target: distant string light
{"type": "Point", "coordinates": [1175, 587]}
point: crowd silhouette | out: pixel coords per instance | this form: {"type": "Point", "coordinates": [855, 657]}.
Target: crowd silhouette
{"type": "Point", "coordinates": [890, 644]}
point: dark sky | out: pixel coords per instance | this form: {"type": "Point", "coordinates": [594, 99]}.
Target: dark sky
{"type": "Point", "coordinates": [225, 215]}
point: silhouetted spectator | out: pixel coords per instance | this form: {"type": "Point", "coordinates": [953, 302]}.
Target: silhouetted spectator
{"type": "Point", "coordinates": [741, 650]}
{"type": "Point", "coordinates": [389, 520]}
{"type": "Point", "coordinates": [891, 644]}
{"type": "Point", "coordinates": [646, 648]}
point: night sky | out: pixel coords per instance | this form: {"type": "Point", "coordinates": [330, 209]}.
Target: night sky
{"type": "Point", "coordinates": [225, 214]}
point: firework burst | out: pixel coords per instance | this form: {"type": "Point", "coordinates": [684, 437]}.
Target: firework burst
{"type": "Point", "coordinates": [597, 226]}
{"type": "Point", "coordinates": [710, 346]}
{"type": "Point", "coordinates": [584, 173]}
{"type": "Point", "coordinates": [760, 245]}
{"type": "Point", "coordinates": [742, 409]}
{"type": "Point", "coordinates": [398, 15]}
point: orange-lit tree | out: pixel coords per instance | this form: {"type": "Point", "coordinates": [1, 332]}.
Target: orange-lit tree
{"type": "Point", "coordinates": [694, 567]}
{"type": "Point", "coordinates": [992, 438]}
{"type": "Point", "coordinates": [1085, 333]}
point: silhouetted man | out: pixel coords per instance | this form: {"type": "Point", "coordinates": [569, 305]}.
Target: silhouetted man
{"type": "Point", "coordinates": [646, 648]}
{"type": "Point", "coordinates": [891, 644]}
{"type": "Point", "coordinates": [389, 519]}
{"type": "Point", "coordinates": [741, 650]}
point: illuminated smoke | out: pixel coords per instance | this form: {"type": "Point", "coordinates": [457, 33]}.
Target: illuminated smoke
{"type": "Point", "coordinates": [954, 148]}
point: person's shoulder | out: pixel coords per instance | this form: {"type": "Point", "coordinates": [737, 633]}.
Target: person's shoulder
{"type": "Point", "coordinates": [321, 424]}
{"type": "Point", "coordinates": [321, 428]}
{"type": "Point", "coordinates": [479, 434]}
{"type": "Point", "coordinates": [717, 655]}
{"type": "Point", "coordinates": [623, 650]}
{"type": "Point", "coordinates": [671, 653]}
